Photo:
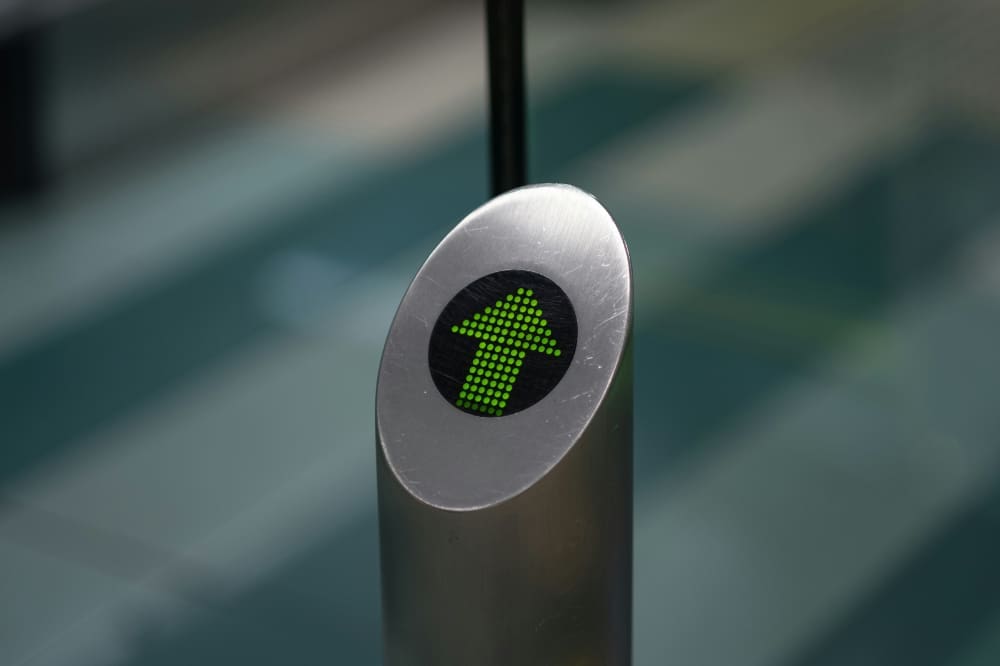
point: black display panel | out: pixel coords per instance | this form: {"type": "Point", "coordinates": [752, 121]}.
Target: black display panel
{"type": "Point", "coordinates": [502, 343]}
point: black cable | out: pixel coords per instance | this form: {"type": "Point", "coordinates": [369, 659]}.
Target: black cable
{"type": "Point", "coordinates": [505, 60]}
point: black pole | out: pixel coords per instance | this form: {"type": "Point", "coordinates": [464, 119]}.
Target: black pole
{"type": "Point", "coordinates": [505, 56]}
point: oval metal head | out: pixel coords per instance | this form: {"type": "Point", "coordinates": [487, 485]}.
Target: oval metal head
{"type": "Point", "coordinates": [504, 347]}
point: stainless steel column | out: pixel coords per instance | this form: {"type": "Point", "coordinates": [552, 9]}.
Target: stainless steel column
{"type": "Point", "coordinates": [505, 494]}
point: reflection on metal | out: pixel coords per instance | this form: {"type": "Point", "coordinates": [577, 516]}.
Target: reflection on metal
{"type": "Point", "coordinates": [509, 540]}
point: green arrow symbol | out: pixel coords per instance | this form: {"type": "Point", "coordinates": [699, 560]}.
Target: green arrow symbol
{"type": "Point", "coordinates": [514, 327]}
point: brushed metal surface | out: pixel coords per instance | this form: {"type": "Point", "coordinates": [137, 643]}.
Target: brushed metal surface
{"type": "Point", "coordinates": [453, 460]}
{"type": "Point", "coordinates": [508, 540]}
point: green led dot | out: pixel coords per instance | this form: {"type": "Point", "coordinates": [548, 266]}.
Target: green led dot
{"type": "Point", "coordinates": [489, 347]}
{"type": "Point", "coordinates": [557, 353]}
{"type": "Point", "coordinates": [488, 310]}
{"type": "Point", "coordinates": [465, 323]}
{"type": "Point", "coordinates": [520, 317]}
{"type": "Point", "coordinates": [534, 303]}
{"type": "Point", "coordinates": [465, 386]}
{"type": "Point", "coordinates": [510, 297]}
{"type": "Point", "coordinates": [479, 371]}
{"type": "Point", "coordinates": [476, 316]}
{"type": "Point", "coordinates": [523, 309]}
{"type": "Point", "coordinates": [542, 322]}
{"type": "Point", "coordinates": [548, 350]}
{"type": "Point", "coordinates": [520, 290]}
{"type": "Point", "coordinates": [479, 353]}
{"type": "Point", "coordinates": [461, 394]}
{"type": "Point", "coordinates": [552, 342]}
{"type": "Point", "coordinates": [503, 403]}
{"type": "Point", "coordinates": [521, 354]}
{"type": "Point", "coordinates": [499, 412]}
{"type": "Point", "coordinates": [490, 411]}
{"type": "Point", "coordinates": [516, 370]}
{"type": "Point", "coordinates": [489, 392]}
{"type": "Point", "coordinates": [477, 398]}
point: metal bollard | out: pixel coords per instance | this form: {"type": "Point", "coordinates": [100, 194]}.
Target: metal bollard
{"type": "Point", "coordinates": [504, 442]}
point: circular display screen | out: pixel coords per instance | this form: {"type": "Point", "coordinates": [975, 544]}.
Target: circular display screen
{"type": "Point", "coordinates": [502, 343]}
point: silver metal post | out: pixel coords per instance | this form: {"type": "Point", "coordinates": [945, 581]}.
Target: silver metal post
{"type": "Point", "coordinates": [504, 428]}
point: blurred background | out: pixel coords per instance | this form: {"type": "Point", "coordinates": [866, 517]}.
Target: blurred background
{"type": "Point", "coordinates": [210, 210]}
